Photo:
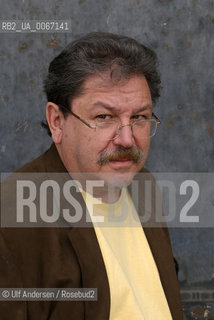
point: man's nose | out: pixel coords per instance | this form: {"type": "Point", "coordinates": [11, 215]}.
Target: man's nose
{"type": "Point", "coordinates": [125, 137]}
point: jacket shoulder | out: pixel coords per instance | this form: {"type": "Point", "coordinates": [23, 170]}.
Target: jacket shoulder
{"type": "Point", "coordinates": [37, 165]}
{"type": "Point", "coordinates": [49, 161]}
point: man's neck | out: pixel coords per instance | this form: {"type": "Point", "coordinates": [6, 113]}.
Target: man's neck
{"type": "Point", "coordinates": [106, 193]}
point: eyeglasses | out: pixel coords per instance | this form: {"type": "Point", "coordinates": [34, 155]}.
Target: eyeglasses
{"type": "Point", "coordinates": [142, 129]}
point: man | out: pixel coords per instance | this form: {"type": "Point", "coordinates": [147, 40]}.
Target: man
{"type": "Point", "coordinates": [100, 91]}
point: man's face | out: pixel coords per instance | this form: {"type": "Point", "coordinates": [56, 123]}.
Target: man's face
{"type": "Point", "coordinates": [83, 149]}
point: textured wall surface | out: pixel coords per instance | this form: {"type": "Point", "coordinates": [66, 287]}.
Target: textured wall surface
{"type": "Point", "coordinates": [180, 31]}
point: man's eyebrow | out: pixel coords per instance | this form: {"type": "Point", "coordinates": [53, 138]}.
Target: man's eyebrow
{"type": "Point", "coordinates": [110, 108]}
{"type": "Point", "coordinates": [147, 107]}
{"type": "Point", "coordinates": [105, 105]}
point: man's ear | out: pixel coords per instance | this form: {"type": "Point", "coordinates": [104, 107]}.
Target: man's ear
{"type": "Point", "coordinates": [55, 119]}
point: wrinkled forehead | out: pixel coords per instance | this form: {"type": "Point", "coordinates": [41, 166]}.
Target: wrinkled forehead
{"type": "Point", "coordinates": [133, 92]}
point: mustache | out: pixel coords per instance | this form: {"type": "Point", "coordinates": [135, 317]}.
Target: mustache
{"type": "Point", "coordinates": [121, 153]}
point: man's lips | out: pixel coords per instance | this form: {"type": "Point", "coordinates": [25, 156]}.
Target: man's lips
{"type": "Point", "coordinates": [121, 160]}
{"type": "Point", "coordinates": [119, 163]}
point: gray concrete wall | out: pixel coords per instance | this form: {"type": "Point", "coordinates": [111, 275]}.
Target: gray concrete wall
{"type": "Point", "coordinates": [181, 32]}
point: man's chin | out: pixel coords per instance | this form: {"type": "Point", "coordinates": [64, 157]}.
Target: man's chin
{"type": "Point", "coordinates": [117, 179]}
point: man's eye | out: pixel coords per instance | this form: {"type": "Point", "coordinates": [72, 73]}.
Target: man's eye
{"type": "Point", "coordinates": [103, 117]}
{"type": "Point", "coordinates": [139, 117]}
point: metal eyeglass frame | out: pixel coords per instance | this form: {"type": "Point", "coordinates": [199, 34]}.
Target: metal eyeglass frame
{"type": "Point", "coordinates": [119, 127]}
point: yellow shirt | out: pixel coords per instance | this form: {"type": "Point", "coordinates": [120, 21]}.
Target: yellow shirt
{"type": "Point", "coordinates": [135, 288]}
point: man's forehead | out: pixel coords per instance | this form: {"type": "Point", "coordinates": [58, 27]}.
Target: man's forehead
{"type": "Point", "coordinates": [106, 106]}
{"type": "Point", "coordinates": [104, 82]}
{"type": "Point", "coordinates": [133, 95]}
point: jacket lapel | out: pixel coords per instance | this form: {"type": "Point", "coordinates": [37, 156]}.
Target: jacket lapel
{"type": "Point", "coordinates": [93, 270]}
{"type": "Point", "coordinates": [159, 242]}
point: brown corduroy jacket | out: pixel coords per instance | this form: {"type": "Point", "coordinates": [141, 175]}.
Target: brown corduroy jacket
{"type": "Point", "coordinates": [69, 258]}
